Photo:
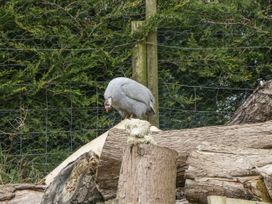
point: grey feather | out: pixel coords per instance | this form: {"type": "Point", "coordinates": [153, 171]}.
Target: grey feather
{"type": "Point", "coordinates": [129, 97]}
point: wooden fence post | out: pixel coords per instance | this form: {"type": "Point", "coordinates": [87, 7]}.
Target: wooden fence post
{"type": "Point", "coordinates": [139, 72]}
{"type": "Point", "coordinates": [152, 61]}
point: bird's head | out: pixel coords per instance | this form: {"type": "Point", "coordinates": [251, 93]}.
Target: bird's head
{"type": "Point", "coordinates": [108, 104]}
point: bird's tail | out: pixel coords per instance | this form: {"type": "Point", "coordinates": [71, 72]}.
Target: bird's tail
{"type": "Point", "coordinates": [152, 110]}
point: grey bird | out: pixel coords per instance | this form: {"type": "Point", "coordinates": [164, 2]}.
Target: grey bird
{"type": "Point", "coordinates": [129, 98]}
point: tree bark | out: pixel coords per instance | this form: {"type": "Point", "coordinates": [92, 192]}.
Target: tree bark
{"type": "Point", "coordinates": [257, 107]}
{"type": "Point", "coordinates": [225, 200]}
{"type": "Point", "coordinates": [228, 171]}
{"type": "Point", "coordinates": [256, 136]}
{"type": "Point", "coordinates": [148, 175]}
{"type": "Point", "coordinates": [75, 183]}
{"type": "Point", "coordinates": [21, 193]}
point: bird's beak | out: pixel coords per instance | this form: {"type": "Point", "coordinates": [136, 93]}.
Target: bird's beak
{"type": "Point", "coordinates": [107, 108]}
{"type": "Point", "coordinates": [108, 104]}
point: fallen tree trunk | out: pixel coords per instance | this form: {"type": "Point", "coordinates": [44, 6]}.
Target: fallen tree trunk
{"type": "Point", "coordinates": [258, 136]}
{"type": "Point", "coordinates": [228, 171]}
{"type": "Point", "coordinates": [257, 107]}
{"type": "Point", "coordinates": [148, 175]}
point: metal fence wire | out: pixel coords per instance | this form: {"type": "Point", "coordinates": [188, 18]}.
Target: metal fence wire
{"type": "Point", "coordinates": [42, 124]}
{"type": "Point", "coordinates": [59, 129]}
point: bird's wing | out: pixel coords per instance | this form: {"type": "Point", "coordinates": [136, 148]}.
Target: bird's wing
{"type": "Point", "coordinates": [136, 92]}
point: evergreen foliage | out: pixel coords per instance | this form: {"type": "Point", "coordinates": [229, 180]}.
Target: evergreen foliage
{"type": "Point", "coordinates": [57, 56]}
{"type": "Point", "coordinates": [216, 44]}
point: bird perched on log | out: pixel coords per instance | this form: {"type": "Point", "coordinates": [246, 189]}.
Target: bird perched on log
{"type": "Point", "coordinates": [129, 98]}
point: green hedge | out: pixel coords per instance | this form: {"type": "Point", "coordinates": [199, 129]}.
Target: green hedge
{"type": "Point", "coordinates": [56, 58]}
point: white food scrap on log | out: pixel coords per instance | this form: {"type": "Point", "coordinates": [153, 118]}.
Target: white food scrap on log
{"type": "Point", "coordinates": [139, 132]}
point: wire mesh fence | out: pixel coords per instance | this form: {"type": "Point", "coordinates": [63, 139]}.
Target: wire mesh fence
{"type": "Point", "coordinates": [56, 130]}
{"type": "Point", "coordinates": [57, 58]}
{"type": "Point", "coordinates": [197, 106]}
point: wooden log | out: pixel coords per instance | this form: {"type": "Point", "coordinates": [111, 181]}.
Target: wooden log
{"type": "Point", "coordinates": [95, 146]}
{"type": "Point", "coordinates": [228, 171]}
{"type": "Point", "coordinates": [256, 136]}
{"type": "Point", "coordinates": [257, 107]}
{"type": "Point", "coordinates": [182, 201]}
{"type": "Point", "coordinates": [179, 201]}
{"type": "Point", "coordinates": [21, 193]}
{"type": "Point", "coordinates": [148, 175]}
{"type": "Point", "coordinates": [75, 183]}
{"type": "Point", "coordinates": [225, 200]}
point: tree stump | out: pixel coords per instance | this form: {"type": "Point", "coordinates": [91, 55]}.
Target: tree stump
{"type": "Point", "coordinates": [233, 172]}
{"type": "Point", "coordinates": [148, 175]}
{"type": "Point", "coordinates": [75, 183]}
{"type": "Point", "coordinates": [257, 107]}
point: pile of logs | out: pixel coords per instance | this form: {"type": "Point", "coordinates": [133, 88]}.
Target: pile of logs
{"type": "Point", "coordinates": [233, 161]}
